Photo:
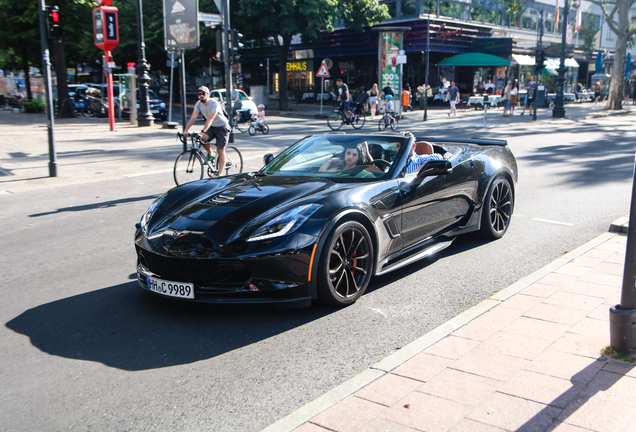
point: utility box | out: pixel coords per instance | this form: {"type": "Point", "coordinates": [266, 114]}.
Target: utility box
{"type": "Point", "coordinates": [540, 99]}
{"type": "Point", "coordinates": [260, 95]}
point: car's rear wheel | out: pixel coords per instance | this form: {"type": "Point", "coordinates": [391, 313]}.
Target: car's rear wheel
{"type": "Point", "coordinates": [346, 265]}
{"type": "Point", "coordinates": [497, 211]}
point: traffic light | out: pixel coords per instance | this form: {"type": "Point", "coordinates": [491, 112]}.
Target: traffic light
{"type": "Point", "coordinates": [539, 62]}
{"type": "Point", "coordinates": [55, 28]}
{"type": "Point", "coordinates": [219, 45]}
{"type": "Point", "coordinates": [235, 44]}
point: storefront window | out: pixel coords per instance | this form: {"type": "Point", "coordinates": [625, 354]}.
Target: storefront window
{"type": "Point", "coordinates": [450, 9]}
{"type": "Point", "coordinates": [408, 7]}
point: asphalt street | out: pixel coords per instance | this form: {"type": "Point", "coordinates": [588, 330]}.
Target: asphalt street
{"type": "Point", "coordinates": [84, 348]}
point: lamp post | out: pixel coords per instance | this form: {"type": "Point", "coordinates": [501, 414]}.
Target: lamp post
{"type": "Point", "coordinates": [559, 110]}
{"type": "Point", "coordinates": [428, 51]}
{"type": "Point", "coordinates": [144, 116]}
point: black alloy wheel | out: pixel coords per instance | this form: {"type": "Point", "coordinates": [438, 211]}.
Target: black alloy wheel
{"type": "Point", "coordinates": [346, 265]}
{"type": "Point", "coordinates": [497, 210]}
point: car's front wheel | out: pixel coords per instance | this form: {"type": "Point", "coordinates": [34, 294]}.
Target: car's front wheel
{"type": "Point", "coordinates": [497, 209]}
{"type": "Point", "coordinates": [346, 265]}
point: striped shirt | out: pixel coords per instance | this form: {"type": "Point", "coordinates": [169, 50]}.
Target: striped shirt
{"type": "Point", "coordinates": [418, 160]}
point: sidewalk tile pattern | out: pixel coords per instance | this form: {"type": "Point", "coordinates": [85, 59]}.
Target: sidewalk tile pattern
{"type": "Point", "coordinates": [531, 363]}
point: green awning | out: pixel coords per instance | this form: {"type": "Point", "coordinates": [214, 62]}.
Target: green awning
{"type": "Point", "coordinates": [475, 59]}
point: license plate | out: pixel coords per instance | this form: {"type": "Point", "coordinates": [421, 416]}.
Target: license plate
{"type": "Point", "coordinates": [169, 288]}
{"type": "Point", "coordinates": [154, 111]}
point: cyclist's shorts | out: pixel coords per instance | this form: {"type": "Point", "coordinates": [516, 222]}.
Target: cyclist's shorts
{"type": "Point", "coordinates": [345, 106]}
{"type": "Point", "coordinates": [221, 134]}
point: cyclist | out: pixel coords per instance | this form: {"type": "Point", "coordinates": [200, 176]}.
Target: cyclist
{"type": "Point", "coordinates": [261, 117]}
{"type": "Point", "coordinates": [216, 125]}
{"type": "Point", "coordinates": [345, 97]}
{"type": "Point", "coordinates": [388, 108]}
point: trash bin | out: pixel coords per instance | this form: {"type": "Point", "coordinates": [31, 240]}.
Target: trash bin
{"type": "Point", "coordinates": [541, 100]}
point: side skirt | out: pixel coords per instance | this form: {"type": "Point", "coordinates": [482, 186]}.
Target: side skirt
{"type": "Point", "coordinates": [418, 256]}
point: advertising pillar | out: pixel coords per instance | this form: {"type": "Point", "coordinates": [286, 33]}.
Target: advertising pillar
{"type": "Point", "coordinates": [389, 68]}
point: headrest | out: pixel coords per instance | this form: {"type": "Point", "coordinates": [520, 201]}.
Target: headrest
{"type": "Point", "coordinates": [424, 148]}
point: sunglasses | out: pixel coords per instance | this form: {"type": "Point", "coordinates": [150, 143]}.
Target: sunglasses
{"type": "Point", "coordinates": [201, 94]}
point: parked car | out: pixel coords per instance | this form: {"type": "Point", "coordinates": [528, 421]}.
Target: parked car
{"type": "Point", "coordinates": [248, 103]}
{"type": "Point", "coordinates": [99, 93]}
{"type": "Point", "coordinates": [156, 106]}
{"type": "Point", "coordinates": [85, 99]}
{"type": "Point", "coordinates": [298, 230]}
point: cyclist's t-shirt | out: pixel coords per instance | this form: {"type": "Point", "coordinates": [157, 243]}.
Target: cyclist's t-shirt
{"type": "Point", "coordinates": [343, 92]}
{"type": "Point", "coordinates": [207, 110]}
{"type": "Point", "coordinates": [388, 106]}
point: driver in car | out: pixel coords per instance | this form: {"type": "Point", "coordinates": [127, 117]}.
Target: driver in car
{"type": "Point", "coordinates": [350, 157]}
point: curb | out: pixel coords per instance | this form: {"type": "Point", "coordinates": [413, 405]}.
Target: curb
{"type": "Point", "coordinates": [305, 413]}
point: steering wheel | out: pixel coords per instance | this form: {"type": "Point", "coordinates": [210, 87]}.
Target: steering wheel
{"type": "Point", "coordinates": [381, 163]}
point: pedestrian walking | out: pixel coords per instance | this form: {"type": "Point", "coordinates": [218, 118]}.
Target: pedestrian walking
{"type": "Point", "coordinates": [452, 95]}
{"type": "Point", "coordinates": [597, 92]}
{"type": "Point", "coordinates": [514, 96]}
{"type": "Point", "coordinates": [406, 98]}
{"type": "Point", "coordinates": [506, 98]}
{"type": "Point", "coordinates": [373, 99]}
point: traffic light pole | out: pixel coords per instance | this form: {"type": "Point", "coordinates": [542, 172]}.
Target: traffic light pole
{"type": "Point", "coordinates": [559, 109]}
{"type": "Point", "coordinates": [538, 58]}
{"type": "Point", "coordinates": [428, 50]}
{"type": "Point", "coordinates": [46, 63]}
{"type": "Point", "coordinates": [228, 67]}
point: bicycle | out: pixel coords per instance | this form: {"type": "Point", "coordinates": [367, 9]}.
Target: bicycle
{"type": "Point", "coordinates": [258, 128]}
{"type": "Point", "coordinates": [190, 164]}
{"type": "Point", "coordinates": [243, 120]}
{"type": "Point", "coordinates": [392, 123]}
{"type": "Point", "coordinates": [337, 118]}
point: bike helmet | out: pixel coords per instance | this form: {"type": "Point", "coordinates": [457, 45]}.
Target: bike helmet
{"type": "Point", "coordinates": [260, 106]}
{"type": "Point", "coordinates": [388, 97]}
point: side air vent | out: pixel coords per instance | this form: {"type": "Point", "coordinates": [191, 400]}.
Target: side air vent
{"type": "Point", "coordinates": [228, 201]}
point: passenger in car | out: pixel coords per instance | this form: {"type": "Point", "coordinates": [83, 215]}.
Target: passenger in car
{"type": "Point", "coordinates": [420, 153]}
{"type": "Point", "coordinates": [350, 157]}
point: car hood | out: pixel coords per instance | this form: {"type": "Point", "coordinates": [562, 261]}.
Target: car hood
{"type": "Point", "coordinates": [234, 201]}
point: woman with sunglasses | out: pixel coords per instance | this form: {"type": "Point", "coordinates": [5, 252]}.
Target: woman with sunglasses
{"type": "Point", "coordinates": [216, 125]}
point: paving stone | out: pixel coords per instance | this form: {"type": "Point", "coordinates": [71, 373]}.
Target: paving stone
{"type": "Point", "coordinates": [388, 389]}
{"type": "Point", "coordinates": [609, 268]}
{"type": "Point", "coordinates": [627, 369]}
{"type": "Point", "coordinates": [588, 346]}
{"type": "Point", "coordinates": [522, 301]}
{"type": "Point", "coordinates": [556, 279]}
{"type": "Point", "coordinates": [512, 413]}
{"type": "Point", "coordinates": [572, 269]}
{"type": "Point", "coordinates": [516, 345]}
{"type": "Point", "coordinates": [490, 364]}
{"type": "Point", "coordinates": [599, 414]}
{"type": "Point", "coordinates": [452, 347]}
{"type": "Point", "coordinates": [422, 367]}
{"type": "Point", "coordinates": [537, 328]}
{"type": "Point", "coordinates": [587, 261]}
{"type": "Point", "coordinates": [467, 425]}
{"type": "Point", "coordinates": [310, 427]}
{"type": "Point", "coordinates": [604, 279]}
{"type": "Point", "coordinates": [349, 415]}
{"type": "Point", "coordinates": [574, 301]}
{"type": "Point", "coordinates": [427, 413]}
{"type": "Point", "coordinates": [601, 313]}
{"type": "Point", "coordinates": [589, 289]}
{"type": "Point", "coordinates": [558, 314]}
{"type": "Point", "coordinates": [571, 367]}
{"type": "Point", "coordinates": [382, 425]}
{"type": "Point", "coordinates": [540, 290]}
{"type": "Point", "coordinates": [614, 387]}
{"type": "Point", "coordinates": [598, 252]}
{"type": "Point", "coordinates": [462, 387]}
{"type": "Point", "coordinates": [592, 327]}
{"type": "Point", "coordinates": [541, 388]}
{"type": "Point", "coordinates": [488, 324]}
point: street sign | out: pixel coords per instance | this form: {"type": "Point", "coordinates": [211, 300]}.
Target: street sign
{"type": "Point", "coordinates": [328, 62]}
{"type": "Point", "coordinates": [323, 72]}
{"type": "Point", "coordinates": [171, 64]}
{"type": "Point", "coordinates": [568, 34]}
{"type": "Point", "coordinates": [210, 19]}
{"type": "Point", "coordinates": [181, 24]}
{"type": "Point", "coordinates": [173, 55]}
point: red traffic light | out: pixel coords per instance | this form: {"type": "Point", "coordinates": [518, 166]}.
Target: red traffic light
{"type": "Point", "coordinates": [55, 16]}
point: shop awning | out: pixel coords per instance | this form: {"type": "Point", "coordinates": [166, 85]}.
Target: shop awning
{"type": "Point", "coordinates": [555, 63]}
{"type": "Point", "coordinates": [523, 60]}
{"type": "Point", "coordinates": [475, 59]}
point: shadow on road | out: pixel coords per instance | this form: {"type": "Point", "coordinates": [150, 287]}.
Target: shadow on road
{"type": "Point", "coordinates": [126, 328]}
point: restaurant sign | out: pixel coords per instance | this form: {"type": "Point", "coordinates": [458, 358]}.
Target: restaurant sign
{"type": "Point", "coordinates": [296, 66]}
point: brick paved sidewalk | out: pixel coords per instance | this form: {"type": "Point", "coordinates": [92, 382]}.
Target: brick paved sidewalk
{"type": "Point", "coordinates": [527, 359]}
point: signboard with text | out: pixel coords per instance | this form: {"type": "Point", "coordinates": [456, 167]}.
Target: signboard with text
{"type": "Point", "coordinates": [181, 24]}
{"type": "Point", "coordinates": [390, 68]}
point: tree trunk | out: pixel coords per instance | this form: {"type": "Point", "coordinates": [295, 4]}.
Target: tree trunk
{"type": "Point", "coordinates": [25, 68]}
{"type": "Point", "coordinates": [283, 50]}
{"type": "Point", "coordinates": [64, 105]}
{"type": "Point", "coordinates": [615, 97]}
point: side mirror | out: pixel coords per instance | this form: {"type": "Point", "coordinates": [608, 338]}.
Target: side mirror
{"type": "Point", "coordinates": [268, 158]}
{"type": "Point", "coordinates": [250, 98]}
{"type": "Point", "coordinates": [432, 168]}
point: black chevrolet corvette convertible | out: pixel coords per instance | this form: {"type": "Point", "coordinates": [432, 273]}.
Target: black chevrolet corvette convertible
{"type": "Point", "coordinates": [322, 217]}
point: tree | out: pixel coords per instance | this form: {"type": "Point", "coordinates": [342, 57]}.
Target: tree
{"type": "Point", "coordinates": [623, 30]}
{"type": "Point", "coordinates": [587, 34]}
{"type": "Point", "coordinates": [283, 19]}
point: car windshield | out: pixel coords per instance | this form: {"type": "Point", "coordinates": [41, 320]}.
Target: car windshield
{"type": "Point", "coordinates": [340, 157]}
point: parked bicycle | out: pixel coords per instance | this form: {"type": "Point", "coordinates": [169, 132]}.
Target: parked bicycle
{"type": "Point", "coordinates": [192, 163]}
{"type": "Point", "coordinates": [338, 118]}
{"type": "Point", "coordinates": [243, 120]}
{"type": "Point", "coordinates": [388, 121]}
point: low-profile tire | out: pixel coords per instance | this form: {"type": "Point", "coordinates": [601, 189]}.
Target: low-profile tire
{"type": "Point", "coordinates": [497, 209]}
{"type": "Point", "coordinates": [346, 265]}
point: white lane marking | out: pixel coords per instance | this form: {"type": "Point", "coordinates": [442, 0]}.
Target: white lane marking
{"type": "Point", "coordinates": [553, 222]}
{"type": "Point", "coordinates": [379, 311]}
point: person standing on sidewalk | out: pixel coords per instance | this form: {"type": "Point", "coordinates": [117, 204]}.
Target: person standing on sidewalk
{"type": "Point", "coordinates": [387, 90]}
{"type": "Point", "coordinates": [216, 125]}
{"type": "Point", "coordinates": [406, 98]}
{"type": "Point", "coordinates": [530, 87]}
{"type": "Point", "coordinates": [514, 95]}
{"type": "Point", "coordinates": [373, 99]}
{"type": "Point", "coordinates": [506, 98]}
{"type": "Point", "coordinates": [453, 96]}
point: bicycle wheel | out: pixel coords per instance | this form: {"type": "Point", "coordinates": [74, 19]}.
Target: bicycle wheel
{"type": "Point", "coordinates": [359, 121]}
{"type": "Point", "coordinates": [394, 123]}
{"type": "Point", "coordinates": [265, 129]}
{"type": "Point", "coordinates": [252, 129]}
{"type": "Point", "coordinates": [382, 124]}
{"type": "Point", "coordinates": [233, 161]}
{"type": "Point", "coordinates": [244, 127]}
{"type": "Point", "coordinates": [188, 167]}
{"type": "Point", "coordinates": [335, 120]}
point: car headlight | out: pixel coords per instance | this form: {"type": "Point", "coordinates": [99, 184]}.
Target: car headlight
{"type": "Point", "coordinates": [162, 105]}
{"type": "Point", "coordinates": [286, 223]}
{"type": "Point", "coordinates": [145, 218]}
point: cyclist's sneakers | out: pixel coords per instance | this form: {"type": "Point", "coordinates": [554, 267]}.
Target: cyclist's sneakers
{"type": "Point", "coordinates": [210, 158]}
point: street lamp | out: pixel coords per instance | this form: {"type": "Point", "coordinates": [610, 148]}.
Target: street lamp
{"type": "Point", "coordinates": [559, 110]}
{"type": "Point", "coordinates": [144, 116]}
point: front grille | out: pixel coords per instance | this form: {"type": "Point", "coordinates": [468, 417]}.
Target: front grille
{"type": "Point", "coordinates": [205, 272]}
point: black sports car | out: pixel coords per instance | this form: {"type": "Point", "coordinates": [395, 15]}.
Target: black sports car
{"type": "Point", "coordinates": [321, 218]}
